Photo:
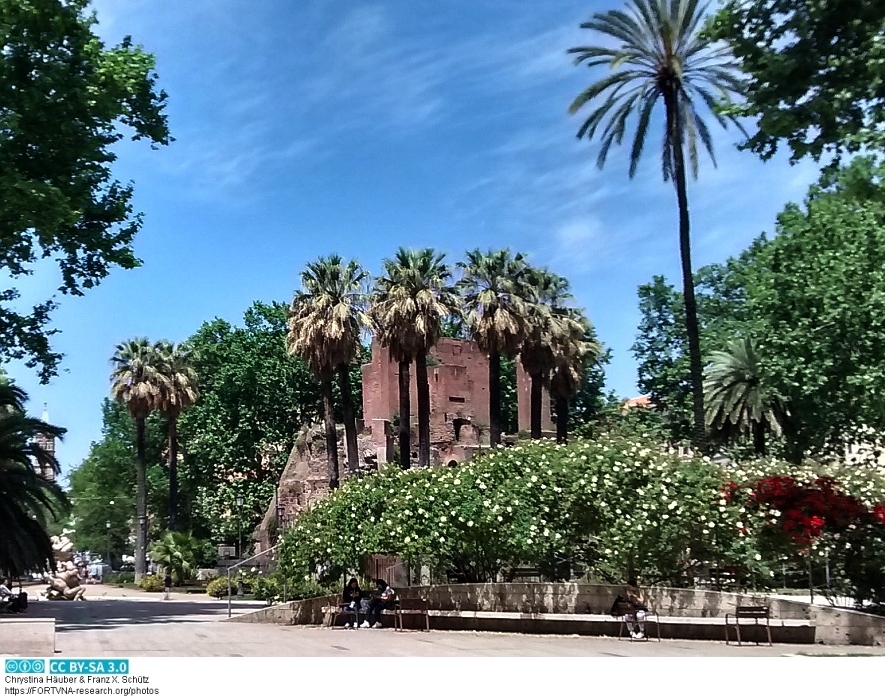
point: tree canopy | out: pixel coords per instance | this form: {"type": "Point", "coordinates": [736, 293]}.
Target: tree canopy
{"type": "Point", "coordinates": [65, 100]}
{"type": "Point", "coordinates": [816, 72]}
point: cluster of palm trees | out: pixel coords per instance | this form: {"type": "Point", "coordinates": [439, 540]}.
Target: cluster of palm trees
{"type": "Point", "coordinates": [28, 501]}
{"type": "Point", "coordinates": [503, 303]}
{"type": "Point", "coordinates": [150, 377]}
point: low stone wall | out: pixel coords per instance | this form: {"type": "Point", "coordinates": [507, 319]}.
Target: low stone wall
{"type": "Point", "coordinates": [832, 626]}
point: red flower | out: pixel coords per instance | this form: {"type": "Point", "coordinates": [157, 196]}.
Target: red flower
{"type": "Point", "coordinates": [879, 512]}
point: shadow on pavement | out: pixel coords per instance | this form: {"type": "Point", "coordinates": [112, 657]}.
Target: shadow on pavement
{"type": "Point", "coordinates": [97, 614]}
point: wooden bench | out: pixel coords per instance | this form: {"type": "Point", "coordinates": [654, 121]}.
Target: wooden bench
{"type": "Point", "coordinates": [410, 607]}
{"type": "Point", "coordinates": [754, 613]}
{"type": "Point", "coordinates": [399, 608]}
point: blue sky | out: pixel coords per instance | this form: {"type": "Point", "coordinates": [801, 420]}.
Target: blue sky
{"type": "Point", "coordinates": [327, 126]}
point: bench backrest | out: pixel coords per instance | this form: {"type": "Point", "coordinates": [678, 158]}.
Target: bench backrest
{"type": "Point", "coordinates": [752, 612]}
{"type": "Point", "coordinates": [412, 604]}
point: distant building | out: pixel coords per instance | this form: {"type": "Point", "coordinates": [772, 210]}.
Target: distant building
{"type": "Point", "coordinates": [47, 443]}
{"type": "Point", "coordinates": [641, 401]}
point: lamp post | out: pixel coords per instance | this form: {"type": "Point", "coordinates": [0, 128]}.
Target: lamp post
{"type": "Point", "coordinates": [107, 526]}
{"type": "Point", "coordinates": [240, 589]}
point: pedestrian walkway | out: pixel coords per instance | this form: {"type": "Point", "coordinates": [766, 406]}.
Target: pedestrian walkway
{"type": "Point", "coordinates": [152, 627]}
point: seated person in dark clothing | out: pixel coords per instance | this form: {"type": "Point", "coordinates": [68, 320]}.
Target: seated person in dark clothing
{"type": "Point", "coordinates": [383, 598]}
{"type": "Point", "coordinates": [350, 600]}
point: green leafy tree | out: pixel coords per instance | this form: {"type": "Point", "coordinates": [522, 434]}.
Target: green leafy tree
{"type": "Point", "coordinates": [410, 301]}
{"type": "Point", "coordinates": [103, 487]}
{"type": "Point", "coordinates": [254, 399]}
{"type": "Point", "coordinates": [661, 57]}
{"type": "Point", "coordinates": [136, 382]}
{"type": "Point", "coordinates": [29, 502]}
{"type": "Point", "coordinates": [66, 101]}
{"type": "Point", "coordinates": [815, 73]}
{"type": "Point", "coordinates": [325, 321]}
{"type": "Point", "coordinates": [739, 403]}
{"type": "Point", "coordinates": [816, 288]}
{"type": "Point", "coordinates": [177, 393]}
{"type": "Point", "coordinates": [495, 310]}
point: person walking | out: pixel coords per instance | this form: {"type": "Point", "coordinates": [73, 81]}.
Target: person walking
{"type": "Point", "coordinates": [167, 585]}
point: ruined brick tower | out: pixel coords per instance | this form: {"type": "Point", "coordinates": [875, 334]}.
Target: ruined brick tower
{"type": "Point", "coordinates": [458, 372]}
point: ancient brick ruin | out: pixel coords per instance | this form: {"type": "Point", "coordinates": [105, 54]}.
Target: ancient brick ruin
{"type": "Point", "coordinates": [458, 373]}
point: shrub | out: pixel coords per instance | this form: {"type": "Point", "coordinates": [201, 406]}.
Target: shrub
{"type": "Point", "coordinates": [217, 588]}
{"type": "Point", "coordinates": [151, 582]}
{"type": "Point", "coordinates": [616, 504]}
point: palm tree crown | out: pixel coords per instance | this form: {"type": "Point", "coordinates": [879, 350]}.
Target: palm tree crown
{"type": "Point", "coordinates": [738, 401]}
{"type": "Point", "coordinates": [327, 316]}
{"type": "Point", "coordinates": [411, 300]}
{"type": "Point", "coordinates": [493, 292]}
{"type": "Point", "coordinates": [27, 501]}
{"type": "Point", "coordinates": [179, 390]}
{"type": "Point", "coordinates": [137, 379]}
{"type": "Point", "coordinates": [662, 58]}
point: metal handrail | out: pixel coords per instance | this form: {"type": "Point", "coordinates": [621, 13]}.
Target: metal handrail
{"type": "Point", "coordinates": [240, 564]}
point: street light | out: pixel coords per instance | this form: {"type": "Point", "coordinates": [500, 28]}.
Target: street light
{"type": "Point", "coordinates": [107, 526]}
{"type": "Point", "coordinates": [240, 589]}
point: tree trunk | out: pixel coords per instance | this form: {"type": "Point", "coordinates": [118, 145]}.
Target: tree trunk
{"type": "Point", "coordinates": [173, 473]}
{"type": "Point", "coordinates": [331, 436]}
{"type": "Point", "coordinates": [536, 400]}
{"type": "Point", "coordinates": [423, 410]}
{"type": "Point", "coordinates": [562, 420]}
{"type": "Point", "coordinates": [353, 456]}
{"type": "Point", "coordinates": [140, 500]}
{"type": "Point", "coordinates": [405, 415]}
{"type": "Point", "coordinates": [494, 399]}
{"type": "Point", "coordinates": [759, 438]}
{"type": "Point", "coordinates": [699, 432]}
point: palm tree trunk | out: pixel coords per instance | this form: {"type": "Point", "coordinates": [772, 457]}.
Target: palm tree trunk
{"type": "Point", "coordinates": [173, 473]}
{"type": "Point", "coordinates": [494, 398]}
{"type": "Point", "coordinates": [353, 456]}
{"type": "Point", "coordinates": [423, 410]}
{"type": "Point", "coordinates": [699, 433]}
{"type": "Point", "coordinates": [562, 420]}
{"type": "Point", "coordinates": [140, 500]}
{"type": "Point", "coordinates": [536, 399]}
{"type": "Point", "coordinates": [331, 436]}
{"type": "Point", "coordinates": [759, 438]}
{"type": "Point", "coordinates": [405, 415]}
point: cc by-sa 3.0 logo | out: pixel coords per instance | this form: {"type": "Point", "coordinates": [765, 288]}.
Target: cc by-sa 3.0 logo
{"type": "Point", "coordinates": [25, 666]}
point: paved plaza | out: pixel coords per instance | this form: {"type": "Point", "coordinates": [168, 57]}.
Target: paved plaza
{"type": "Point", "coordinates": [125, 623]}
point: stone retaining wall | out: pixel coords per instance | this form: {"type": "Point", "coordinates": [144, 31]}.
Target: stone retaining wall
{"type": "Point", "coordinates": [833, 626]}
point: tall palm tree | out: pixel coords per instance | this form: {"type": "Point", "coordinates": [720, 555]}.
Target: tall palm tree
{"type": "Point", "coordinates": [27, 500]}
{"type": "Point", "coordinates": [574, 346]}
{"type": "Point", "coordinates": [546, 292]}
{"type": "Point", "coordinates": [137, 381]}
{"type": "Point", "coordinates": [738, 401]}
{"type": "Point", "coordinates": [662, 58]}
{"type": "Point", "coordinates": [493, 291]}
{"type": "Point", "coordinates": [325, 321]}
{"type": "Point", "coordinates": [177, 393]}
{"type": "Point", "coordinates": [409, 304]}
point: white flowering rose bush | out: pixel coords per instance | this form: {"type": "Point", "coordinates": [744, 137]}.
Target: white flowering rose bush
{"type": "Point", "coordinates": [619, 505]}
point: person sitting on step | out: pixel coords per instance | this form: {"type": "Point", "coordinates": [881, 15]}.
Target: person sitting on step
{"type": "Point", "coordinates": [636, 599]}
